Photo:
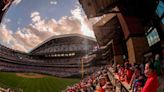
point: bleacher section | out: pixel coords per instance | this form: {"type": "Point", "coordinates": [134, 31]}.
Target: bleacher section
{"type": "Point", "coordinates": [52, 62]}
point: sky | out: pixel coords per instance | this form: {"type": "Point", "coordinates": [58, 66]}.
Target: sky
{"type": "Point", "coordinates": [27, 23]}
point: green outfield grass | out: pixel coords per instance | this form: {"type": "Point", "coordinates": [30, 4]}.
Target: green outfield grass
{"type": "Point", "coordinates": [46, 84]}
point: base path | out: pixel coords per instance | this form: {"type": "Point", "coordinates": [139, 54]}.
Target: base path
{"type": "Point", "coordinates": [30, 75]}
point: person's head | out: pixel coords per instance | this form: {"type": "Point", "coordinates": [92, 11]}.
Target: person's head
{"type": "Point", "coordinates": [108, 87]}
{"type": "Point", "coordinates": [149, 68]}
{"type": "Point", "coordinates": [127, 66]}
{"type": "Point", "coordinates": [102, 80]}
{"type": "Point", "coordinates": [141, 77]}
{"type": "Point", "coordinates": [126, 63]}
{"type": "Point", "coordinates": [137, 71]}
{"type": "Point", "coordinates": [134, 64]}
{"type": "Point", "coordinates": [118, 66]}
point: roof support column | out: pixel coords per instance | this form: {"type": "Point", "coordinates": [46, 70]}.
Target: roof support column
{"type": "Point", "coordinates": [135, 38]}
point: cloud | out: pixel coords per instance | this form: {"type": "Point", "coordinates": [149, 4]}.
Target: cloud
{"type": "Point", "coordinates": [53, 2]}
{"type": "Point", "coordinates": [40, 29]}
{"type": "Point", "coordinates": [35, 13]}
{"type": "Point", "coordinates": [76, 12]}
{"type": "Point", "coordinates": [27, 40]}
{"type": "Point", "coordinates": [16, 2]}
{"type": "Point", "coordinates": [5, 34]}
{"type": "Point", "coordinates": [86, 27]}
{"type": "Point", "coordinates": [18, 47]}
{"type": "Point", "coordinates": [35, 16]}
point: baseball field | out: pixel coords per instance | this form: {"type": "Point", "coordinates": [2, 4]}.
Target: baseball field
{"type": "Point", "coordinates": [29, 82]}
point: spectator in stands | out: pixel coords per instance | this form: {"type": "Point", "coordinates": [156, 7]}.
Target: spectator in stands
{"type": "Point", "coordinates": [121, 72]}
{"type": "Point", "coordinates": [157, 64]}
{"type": "Point", "coordinates": [128, 73]}
{"type": "Point", "coordinates": [102, 82]}
{"type": "Point", "coordinates": [142, 65]}
{"type": "Point", "coordinates": [138, 83]}
{"type": "Point", "coordinates": [136, 74]}
{"type": "Point", "coordinates": [133, 67]}
{"type": "Point", "coordinates": [117, 68]}
{"type": "Point", "coordinates": [108, 87]}
{"type": "Point", "coordinates": [151, 84]}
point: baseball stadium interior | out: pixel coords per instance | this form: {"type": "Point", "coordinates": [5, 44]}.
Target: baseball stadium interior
{"type": "Point", "coordinates": [125, 53]}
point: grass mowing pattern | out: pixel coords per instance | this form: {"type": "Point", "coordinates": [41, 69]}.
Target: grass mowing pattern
{"type": "Point", "coordinates": [46, 84]}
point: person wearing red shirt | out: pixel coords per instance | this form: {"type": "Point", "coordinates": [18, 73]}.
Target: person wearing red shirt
{"type": "Point", "coordinates": [128, 75]}
{"type": "Point", "coordinates": [102, 82]}
{"type": "Point", "coordinates": [151, 84]}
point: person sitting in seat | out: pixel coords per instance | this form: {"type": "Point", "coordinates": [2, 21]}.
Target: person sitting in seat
{"type": "Point", "coordinates": [151, 84]}
{"type": "Point", "coordinates": [128, 73]}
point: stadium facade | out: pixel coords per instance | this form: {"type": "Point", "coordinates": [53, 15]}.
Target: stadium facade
{"type": "Point", "coordinates": [127, 29]}
{"type": "Point", "coordinates": [59, 56]}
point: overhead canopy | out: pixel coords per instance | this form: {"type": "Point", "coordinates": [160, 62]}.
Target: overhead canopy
{"type": "Point", "coordinates": [105, 29]}
{"type": "Point", "coordinates": [95, 8]}
{"type": "Point", "coordinates": [4, 5]}
{"type": "Point", "coordinates": [106, 18]}
{"type": "Point", "coordinates": [66, 38]}
{"type": "Point", "coordinates": [142, 8]}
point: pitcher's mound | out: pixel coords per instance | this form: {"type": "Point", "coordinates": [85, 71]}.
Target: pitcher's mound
{"type": "Point", "coordinates": [30, 75]}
